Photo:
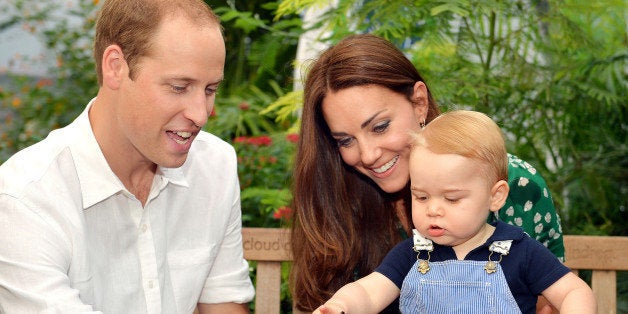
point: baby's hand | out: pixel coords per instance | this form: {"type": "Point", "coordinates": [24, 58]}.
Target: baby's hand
{"type": "Point", "coordinates": [324, 309]}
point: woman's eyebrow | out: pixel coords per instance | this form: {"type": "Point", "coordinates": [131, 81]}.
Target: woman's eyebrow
{"type": "Point", "coordinates": [369, 120]}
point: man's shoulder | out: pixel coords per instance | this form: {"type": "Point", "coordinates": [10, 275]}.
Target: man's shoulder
{"type": "Point", "coordinates": [42, 161]}
{"type": "Point", "coordinates": [31, 161]}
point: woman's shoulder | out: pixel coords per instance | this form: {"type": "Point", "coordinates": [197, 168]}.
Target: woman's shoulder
{"type": "Point", "coordinates": [521, 168]}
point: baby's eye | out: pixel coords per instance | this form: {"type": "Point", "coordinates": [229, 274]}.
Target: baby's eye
{"type": "Point", "coordinates": [421, 198]}
{"type": "Point", "coordinates": [452, 200]}
{"type": "Point", "coordinates": [381, 127]}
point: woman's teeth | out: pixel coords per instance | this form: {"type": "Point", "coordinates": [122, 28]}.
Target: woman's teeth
{"type": "Point", "coordinates": [387, 165]}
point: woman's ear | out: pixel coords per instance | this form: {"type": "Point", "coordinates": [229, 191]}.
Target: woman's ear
{"type": "Point", "coordinates": [114, 67]}
{"type": "Point", "coordinates": [420, 101]}
{"type": "Point", "coordinates": [499, 194]}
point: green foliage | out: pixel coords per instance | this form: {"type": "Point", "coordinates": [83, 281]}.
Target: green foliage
{"type": "Point", "coordinates": [265, 166]}
{"type": "Point", "coordinates": [552, 73]}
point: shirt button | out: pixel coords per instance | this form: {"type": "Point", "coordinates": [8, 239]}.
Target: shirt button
{"type": "Point", "coordinates": [150, 284]}
{"type": "Point", "coordinates": [144, 227]}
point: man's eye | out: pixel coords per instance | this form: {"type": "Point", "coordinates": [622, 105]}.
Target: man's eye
{"type": "Point", "coordinates": [178, 89]}
{"type": "Point", "coordinates": [210, 90]}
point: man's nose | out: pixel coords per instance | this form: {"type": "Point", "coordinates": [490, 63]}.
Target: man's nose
{"type": "Point", "coordinates": [199, 108]}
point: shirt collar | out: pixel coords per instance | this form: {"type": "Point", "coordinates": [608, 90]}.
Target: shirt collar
{"type": "Point", "coordinates": [505, 232]}
{"type": "Point", "coordinates": [98, 182]}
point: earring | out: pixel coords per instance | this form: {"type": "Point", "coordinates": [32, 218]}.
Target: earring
{"type": "Point", "coordinates": [422, 124]}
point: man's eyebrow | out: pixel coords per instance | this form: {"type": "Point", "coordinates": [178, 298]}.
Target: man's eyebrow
{"type": "Point", "coordinates": [369, 120]}
{"type": "Point", "coordinates": [189, 80]}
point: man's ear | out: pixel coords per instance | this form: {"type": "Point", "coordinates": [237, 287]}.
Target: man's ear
{"type": "Point", "coordinates": [499, 194]}
{"type": "Point", "coordinates": [114, 67]}
{"type": "Point", "coordinates": [420, 101]}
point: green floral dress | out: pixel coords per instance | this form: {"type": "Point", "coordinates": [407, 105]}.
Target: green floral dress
{"type": "Point", "coordinates": [530, 206]}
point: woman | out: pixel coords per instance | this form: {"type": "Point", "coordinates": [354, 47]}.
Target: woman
{"type": "Point", "coordinates": [351, 194]}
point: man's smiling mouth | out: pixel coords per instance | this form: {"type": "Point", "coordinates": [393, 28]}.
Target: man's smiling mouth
{"type": "Point", "coordinates": [181, 137]}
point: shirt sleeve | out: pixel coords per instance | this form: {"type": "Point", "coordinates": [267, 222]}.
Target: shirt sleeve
{"type": "Point", "coordinates": [398, 262]}
{"type": "Point", "coordinates": [542, 268]}
{"type": "Point", "coordinates": [229, 280]}
{"type": "Point", "coordinates": [530, 206]}
{"type": "Point", "coordinates": [34, 261]}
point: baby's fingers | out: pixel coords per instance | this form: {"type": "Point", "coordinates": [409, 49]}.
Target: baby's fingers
{"type": "Point", "coordinates": [324, 309]}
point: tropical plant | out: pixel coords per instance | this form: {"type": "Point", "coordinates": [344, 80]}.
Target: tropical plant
{"type": "Point", "coordinates": [552, 73]}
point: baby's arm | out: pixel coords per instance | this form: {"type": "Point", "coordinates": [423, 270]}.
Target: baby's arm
{"type": "Point", "coordinates": [570, 294]}
{"type": "Point", "coordinates": [370, 294]}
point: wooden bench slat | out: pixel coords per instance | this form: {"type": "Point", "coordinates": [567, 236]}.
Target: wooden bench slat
{"type": "Point", "coordinates": [266, 244]}
{"type": "Point", "coordinates": [596, 252]}
{"type": "Point", "coordinates": [268, 287]}
{"type": "Point", "coordinates": [604, 285]}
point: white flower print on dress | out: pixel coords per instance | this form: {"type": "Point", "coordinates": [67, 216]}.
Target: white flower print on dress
{"type": "Point", "coordinates": [538, 228]}
{"type": "Point", "coordinates": [523, 181]}
{"type": "Point", "coordinates": [528, 205]}
{"type": "Point", "coordinates": [510, 211]}
{"type": "Point", "coordinates": [529, 167]}
{"type": "Point", "coordinates": [519, 221]}
{"type": "Point", "coordinates": [548, 217]}
{"type": "Point", "coordinates": [537, 218]}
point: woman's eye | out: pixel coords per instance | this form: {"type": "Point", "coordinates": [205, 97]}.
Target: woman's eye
{"type": "Point", "coordinates": [344, 142]}
{"type": "Point", "coordinates": [381, 127]}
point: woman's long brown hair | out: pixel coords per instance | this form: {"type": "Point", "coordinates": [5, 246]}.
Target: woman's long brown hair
{"type": "Point", "coordinates": [344, 224]}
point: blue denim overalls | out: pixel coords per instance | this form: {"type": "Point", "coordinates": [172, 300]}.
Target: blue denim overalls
{"type": "Point", "coordinates": [456, 286]}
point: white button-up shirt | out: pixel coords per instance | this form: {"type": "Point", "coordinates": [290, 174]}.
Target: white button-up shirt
{"type": "Point", "coordinates": [72, 237]}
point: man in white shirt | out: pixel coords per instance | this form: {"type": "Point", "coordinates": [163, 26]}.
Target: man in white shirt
{"type": "Point", "coordinates": [131, 208]}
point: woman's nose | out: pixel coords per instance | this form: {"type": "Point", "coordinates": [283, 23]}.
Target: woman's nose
{"type": "Point", "coordinates": [369, 152]}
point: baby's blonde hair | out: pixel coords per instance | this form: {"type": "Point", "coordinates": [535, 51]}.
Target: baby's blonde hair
{"type": "Point", "coordinates": [470, 134]}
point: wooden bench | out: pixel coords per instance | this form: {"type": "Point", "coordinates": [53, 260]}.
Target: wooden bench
{"type": "Point", "coordinates": [603, 255]}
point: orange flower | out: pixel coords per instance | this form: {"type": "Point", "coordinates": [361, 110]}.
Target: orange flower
{"type": "Point", "coordinates": [293, 138]}
{"type": "Point", "coordinates": [263, 140]}
{"type": "Point", "coordinates": [16, 102]}
{"type": "Point", "coordinates": [244, 106]}
{"type": "Point", "coordinates": [240, 139]}
{"type": "Point", "coordinates": [44, 82]}
{"type": "Point", "coordinates": [283, 212]}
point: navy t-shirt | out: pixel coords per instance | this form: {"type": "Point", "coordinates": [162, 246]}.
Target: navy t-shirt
{"type": "Point", "coordinates": [529, 268]}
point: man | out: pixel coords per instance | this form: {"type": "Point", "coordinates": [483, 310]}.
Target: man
{"type": "Point", "coordinates": [131, 208]}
